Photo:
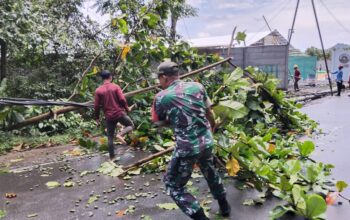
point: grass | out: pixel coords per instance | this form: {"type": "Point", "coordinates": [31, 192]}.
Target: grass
{"type": "Point", "coordinates": [10, 140]}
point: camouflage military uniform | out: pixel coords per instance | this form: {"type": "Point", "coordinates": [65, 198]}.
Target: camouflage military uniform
{"type": "Point", "coordinates": [184, 105]}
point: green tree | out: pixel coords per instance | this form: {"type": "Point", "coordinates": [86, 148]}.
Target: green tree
{"type": "Point", "coordinates": [314, 51]}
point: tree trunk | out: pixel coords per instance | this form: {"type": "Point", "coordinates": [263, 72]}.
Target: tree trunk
{"type": "Point", "coordinates": [174, 20]}
{"type": "Point", "coordinates": [3, 46]}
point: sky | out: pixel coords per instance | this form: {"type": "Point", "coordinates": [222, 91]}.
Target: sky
{"type": "Point", "coordinates": [219, 17]}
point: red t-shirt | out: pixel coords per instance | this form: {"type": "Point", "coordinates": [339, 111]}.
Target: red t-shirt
{"type": "Point", "coordinates": [297, 74]}
{"type": "Point", "coordinates": [112, 100]}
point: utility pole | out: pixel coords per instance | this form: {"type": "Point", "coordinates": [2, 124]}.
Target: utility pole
{"type": "Point", "coordinates": [292, 29]}
{"type": "Point", "coordinates": [324, 53]}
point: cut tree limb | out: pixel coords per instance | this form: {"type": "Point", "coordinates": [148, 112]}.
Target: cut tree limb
{"type": "Point", "coordinates": [49, 115]}
{"type": "Point", "coordinates": [145, 160]}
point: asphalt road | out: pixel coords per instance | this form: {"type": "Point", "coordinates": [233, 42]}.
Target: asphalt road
{"type": "Point", "coordinates": [144, 192]}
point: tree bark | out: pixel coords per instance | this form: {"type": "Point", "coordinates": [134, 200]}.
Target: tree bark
{"type": "Point", "coordinates": [49, 115]}
{"type": "Point", "coordinates": [3, 46]}
{"type": "Point", "coordinates": [174, 20]}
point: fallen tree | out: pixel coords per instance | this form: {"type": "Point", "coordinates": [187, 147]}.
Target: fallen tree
{"type": "Point", "coordinates": [54, 113]}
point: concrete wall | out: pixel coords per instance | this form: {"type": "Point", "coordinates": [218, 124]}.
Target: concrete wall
{"type": "Point", "coordinates": [269, 59]}
{"type": "Point", "coordinates": [341, 55]}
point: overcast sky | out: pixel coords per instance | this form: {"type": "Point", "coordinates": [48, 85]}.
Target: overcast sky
{"type": "Point", "coordinates": [218, 17]}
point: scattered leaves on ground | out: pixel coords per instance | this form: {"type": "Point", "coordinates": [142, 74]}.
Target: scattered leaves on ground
{"type": "Point", "coordinates": [69, 184]}
{"type": "Point", "coordinates": [32, 215]}
{"type": "Point", "coordinates": [111, 169]}
{"type": "Point", "coordinates": [52, 184]}
{"type": "Point", "coordinates": [136, 171]}
{"type": "Point", "coordinates": [92, 199]}
{"type": "Point", "coordinates": [10, 195]}
{"type": "Point", "coordinates": [168, 206]}
{"type": "Point", "coordinates": [146, 217]}
{"type": "Point", "coordinates": [16, 160]}
{"type": "Point", "coordinates": [2, 214]}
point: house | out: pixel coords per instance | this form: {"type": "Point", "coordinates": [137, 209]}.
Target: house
{"type": "Point", "coordinates": [269, 51]}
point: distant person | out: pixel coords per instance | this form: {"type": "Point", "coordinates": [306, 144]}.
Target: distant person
{"type": "Point", "coordinates": [296, 77]}
{"type": "Point", "coordinates": [110, 97]}
{"type": "Point", "coordinates": [339, 79]}
{"type": "Point", "coordinates": [186, 107]}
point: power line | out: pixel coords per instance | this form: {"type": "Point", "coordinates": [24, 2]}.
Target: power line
{"type": "Point", "coordinates": [278, 10]}
{"type": "Point", "coordinates": [334, 17]}
{"type": "Point", "coordinates": [189, 38]}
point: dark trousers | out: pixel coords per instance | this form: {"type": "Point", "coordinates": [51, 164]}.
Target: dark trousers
{"type": "Point", "coordinates": [111, 125]}
{"type": "Point", "coordinates": [179, 172]}
{"type": "Point", "coordinates": [339, 87]}
{"type": "Point", "coordinates": [296, 86]}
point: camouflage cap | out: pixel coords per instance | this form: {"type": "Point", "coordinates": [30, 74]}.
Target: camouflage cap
{"type": "Point", "coordinates": [168, 68]}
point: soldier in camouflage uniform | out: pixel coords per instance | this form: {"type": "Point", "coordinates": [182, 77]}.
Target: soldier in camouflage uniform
{"type": "Point", "coordinates": [185, 107]}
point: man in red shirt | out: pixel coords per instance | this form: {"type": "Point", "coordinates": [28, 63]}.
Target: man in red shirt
{"type": "Point", "coordinates": [296, 78]}
{"type": "Point", "coordinates": [110, 97]}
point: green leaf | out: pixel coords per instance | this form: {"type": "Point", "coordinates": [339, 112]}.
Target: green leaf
{"type": "Point", "coordinates": [52, 184]}
{"type": "Point", "coordinates": [313, 172]}
{"type": "Point", "coordinates": [299, 198]}
{"type": "Point", "coordinates": [168, 206]}
{"type": "Point", "coordinates": [92, 199]}
{"type": "Point", "coordinates": [123, 26]}
{"type": "Point", "coordinates": [152, 19]}
{"type": "Point", "coordinates": [240, 36]}
{"type": "Point", "coordinates": [158, 147]}
{"type": "Point", "coordinates": [84, 173]}
{"type": "Point", "coordinates": [230, 110]}
{"type": "Point", "coordinates": [315, 206]}
{"type": "Point", "coordinates": [69, 184]}
{"type": "Point", "coordinates": [146, 217]}
{"type": "Point", "coordinates": [249, 202]}
{"type": "Point", "coordinates": [136, 171]}
{"type": "Point", "coordinates": [169, 144]}
{"type": "Point", "coordinates": [306, 148]}
{"type": "Point", "coordinates": [285, 185]}
{"type": "Point", "coordinates": [130, 197]}
{"type": "Point", "coordinates": [341, 185]}
{"type": "Point", "coordinates": [279, 211]}
{"type": "Point", "coordinates": [2, 214]}
{"type": "Point", "coordinates": [292, 167]}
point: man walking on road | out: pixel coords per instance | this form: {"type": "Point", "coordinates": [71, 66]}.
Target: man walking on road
{"type": "Point", "coordinates": [339, 79]}
{"type": "Point", "coordinates": [296, 77]}
{"type": "Point", "coordinates": [185, 106]}
{"type": "Point", "coordinates": [115, 107]}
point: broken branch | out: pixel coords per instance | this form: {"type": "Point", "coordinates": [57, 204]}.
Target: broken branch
{"type": "Point", "coordinates": [145, 160]}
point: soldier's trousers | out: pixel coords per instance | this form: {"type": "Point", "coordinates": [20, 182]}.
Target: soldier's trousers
{"type": "Point", "coordinates": [179, 172]}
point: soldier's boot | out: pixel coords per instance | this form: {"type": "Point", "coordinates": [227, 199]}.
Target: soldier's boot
{"type": "Point", "coordinates": [199, 215]}
{"type": "Point", "coordinates": [225, 208]}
